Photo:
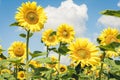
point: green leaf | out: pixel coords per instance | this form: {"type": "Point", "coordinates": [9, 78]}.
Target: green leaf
{"type": "Point", "coordinates": [14, 24]}
{"type": "Point", "coordinates": [98, 40]}
{"type": "Point", "coordinates": [63, 50]}
{"type": "Point", "coordinates": [2, 62]}
{"type": "Point", "coordinates": [117, 62]}
{"type": "Point", "coordinates": [115, 13]}
{"type": "Point", "coordinates": [53, 49]}
{"type": "Point", "coordinates": [44, 60]}
{"type": "Point", "coordinates": [15, 60]}
{"type": "Point", "coordinates": [118, 37]}
{"type": "Point", "coordinates": [37, 53]}
{"type": "Point", "coordinates": [22, 35]}
{"type": "Point", "coordinates": [53, 33]}
{"type": "Point", "coordinates": [110, 47]}
{"type": "Point", "coordinates": [30, 35]}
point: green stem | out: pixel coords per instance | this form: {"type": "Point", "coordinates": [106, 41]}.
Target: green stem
{"type": "Point", "coordinates": [101, 69]}
{"type": "Point", "coordinates": [16, 71]}
{"type": "Point", "coordinates": [59, 56]}
{"type": "Point", "coordinates": [47, 51]}
{"type": "Point", "coordinates": [27, 55]}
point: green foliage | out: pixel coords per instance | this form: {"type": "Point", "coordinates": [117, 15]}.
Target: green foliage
{"type": "Point", "coordinates": [115, 13]}
{"type": "Point", "coordinates": [110, 47]}
{"type": "Point", "coordinates": [15, 60]}
{"type": "Point", "coordinates": [14, 24]}
{"type": "Point", "coordinates": [37, 54]}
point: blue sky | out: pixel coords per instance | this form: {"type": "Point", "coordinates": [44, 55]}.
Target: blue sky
{"type": "Point", "coordinates": [89, 22]}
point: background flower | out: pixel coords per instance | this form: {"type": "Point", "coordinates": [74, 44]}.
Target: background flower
{"type": "Point", "coordinates": [65, 33]}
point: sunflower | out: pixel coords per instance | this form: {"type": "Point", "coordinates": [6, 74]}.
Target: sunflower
{"type": "Point", "coordinates": [17, 49]}
{"type": "Point", "coordinates": [62, 69]}
{"type": "Point", "coordinates": [30, 16]}
{"type": "Point", "coordinates": [0, 49]}
{"type": "Point", "coordinates": [108, 36]}
{"type": "Point", "coordinates": [84, 52]}
{"type": "Point", "coordinates": [111, 54]}
{"type": "Point", "coordinates": [21, 75]}
{"type": "Point", "coordinates": [3, 71]}
{"type": "Point", "coordinates": [36, 64]}
{"type": "Point", "coordinates": [65, 33]}
{"type": "Point", "coordinates": [48, 38]}
{"type": "Point", "coordinates": [53, 62]}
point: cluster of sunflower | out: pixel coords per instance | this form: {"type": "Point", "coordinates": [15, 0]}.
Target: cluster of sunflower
{"type": "Point", "coordinates": [88, 61]}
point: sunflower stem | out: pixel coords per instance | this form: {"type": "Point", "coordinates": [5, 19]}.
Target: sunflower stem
{"type": "Point", "coordinates": [47, 51]}
{"type": "Point", "coordinates": [101, 69]}
{"type": "Point", "coordinates": [27, 55]}
{"type": "Point", "coordinates": [59, 56]}
{"type": "Point", "coordinates": [16, 71]}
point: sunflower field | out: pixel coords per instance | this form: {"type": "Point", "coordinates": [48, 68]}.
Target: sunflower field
{"type": "Point", "coordinates": [88, 61]}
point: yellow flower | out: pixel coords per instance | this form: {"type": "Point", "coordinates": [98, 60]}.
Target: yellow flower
{"type": "Point", "coordinates": [108, 36]}
{"type": "Point", "coordinates": [5, 71]}
{"type": "Point", "coordinates": [48, 38]}
{"type": "Point", "coordinates": [30, 16]}
{"type": "Point", "coordinates": [111, 54]}
{"type": "Point", "coordinates": [1, 49]}
{"type": "Point", "coordinates": [53, 62]}
{"type": "Point", "coordinates": [83, 51]}
{"type": "Point", "coordinates": [62, 69]}
{"type": "Point", "coordinates": [65, 33]}
{"type": "Point", "coordinates": [17, 49]}
{"type": "Point", "coordinates": [36, 64]}
{"type": "Point", "coordinates": [21, 75]}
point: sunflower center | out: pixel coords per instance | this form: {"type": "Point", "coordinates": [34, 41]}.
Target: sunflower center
{"type": "Point", "coordinates": [31, 17]}
{"type": "Point", "coordinates": [83, 54]}
{"type": "Point", "coordinates": [51, 38]}
{"type": "Point", "coordinates": [22, 75]}
{"type": "Point", "coordinates": [62, 69]}
{"type": "Point", "coordinates": [65, 33]}
{"type": "Point", "coordinates": [19, 51]}
{"type": "Point", "coordinates": [110, 39]}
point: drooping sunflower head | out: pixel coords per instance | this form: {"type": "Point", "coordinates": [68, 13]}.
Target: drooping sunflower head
{"type": "Point", "coordinates": [17, 49]}
{"type": "Point", "coordinates": [30, 16]}
{"type": "Point", "coordinates": [108, 36]}
{"type": "Point", "coordinates": [49, 38]}
{"type": "Point", "coordinates": [21, 75]}
{"type": "Point", "coordinates": [65, 33]}
{"type": "Point", "coordinates": [83, 51]}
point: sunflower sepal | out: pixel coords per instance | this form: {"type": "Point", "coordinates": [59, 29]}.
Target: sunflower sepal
{"type": "Point", "coordinates": [14, 24]}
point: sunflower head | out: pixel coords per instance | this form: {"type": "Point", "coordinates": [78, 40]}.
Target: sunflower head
{"type": "Point", "coordinates": [65, 33]}
{"type": "Point", "coordinates": [30, 16]}
{"type": "Point", "coordinates": [36, 64]}
{"type": "Point", "coordinates": [53, 62]}
{"type": "Point", "coordinates": [17, 49]}
{"type": "Point", "coordinates": [62, 68]}
{"type": "Point", "coordinates": [84, 52]}
{"type": "Point", "coordinates": [108, 36]}
{"type": "Point", "coordinates": [3, 71]}
{"type": "Point", "coordinates": [21, 75]}
{"type": "Point", "coordinates": [49, 38]}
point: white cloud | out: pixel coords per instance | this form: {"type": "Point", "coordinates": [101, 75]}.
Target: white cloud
{"type": "Point", "coordinates": [63, 60]}
{"type": "Point", "coordinates": [70, 13]}
{"type": "Point", "coordinates": [118, 4]}
{"type": "Point", "coordinates": [109, 21]}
